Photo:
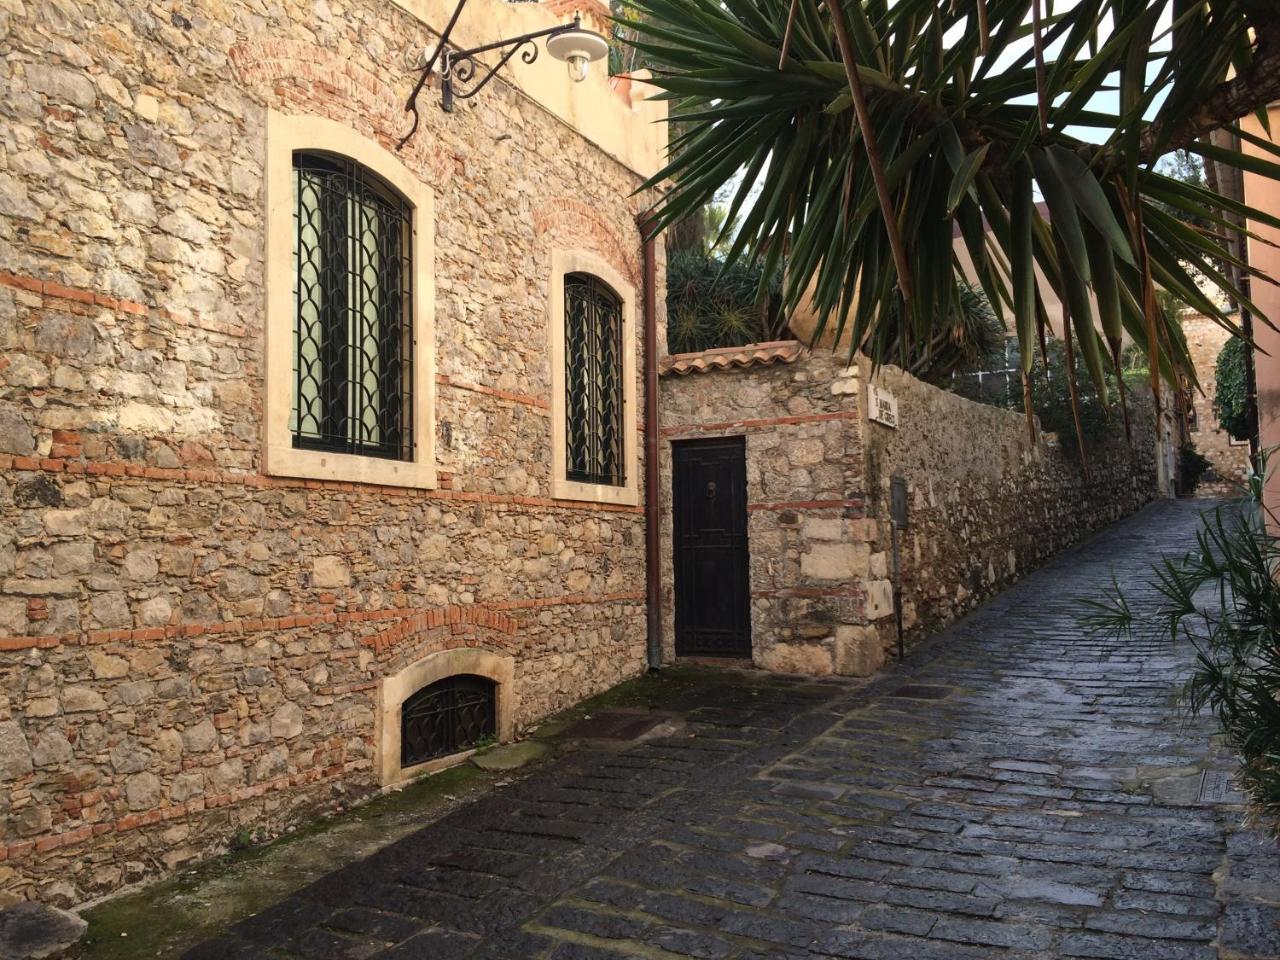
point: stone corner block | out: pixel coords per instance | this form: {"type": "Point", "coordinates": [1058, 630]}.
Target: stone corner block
{"type": "Point", "coordinates": [811, 659]}
{"type": "Point", "coordinates": [879, 599]}
{"type": "Point", "coordinates": [859, 651]}
{"type": "Point", "coordinates": [835, 561]}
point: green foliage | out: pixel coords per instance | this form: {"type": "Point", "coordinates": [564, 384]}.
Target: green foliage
{"type": "Point", "coordinates": [623, 56]}
{"type": "Point", "coordinates": [1193, 465]}
{"type": "Point", "coordinates": [1051, 400]}
{"type": "Point", "coordinates": [1170, 305]}
{"type": "Point", "coordinates": [959, 151]}
{"type": "Point", "coordinates": [710, 305]}
{"type": "Point", "coordinates": [1183, 165]}
{"type": "Point", "coordinates": [1186, 167]}
{"type": "Point", "coordinates": [248, 836]}
{"type": "Point", "coordinates": [1222, 597]}
{"type": "Point", "coordinates": [1230, 390]}
{"type": "Point", "coordinates": [1133, 360]}
{"type": "Point", "coordinates": [1050, 395]}
{"type": "Point", "coordinates": [973, 338]}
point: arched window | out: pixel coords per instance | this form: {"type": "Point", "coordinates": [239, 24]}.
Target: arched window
{"type": "Point", "coordinates": [353, 330]}
{"type": "Point", "coordinates": [446, 717]}
{"type": "Point", "coordinates": [593, 381]}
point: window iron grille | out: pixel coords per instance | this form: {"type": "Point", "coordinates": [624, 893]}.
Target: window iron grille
{"type": "Point", "coordinates": [446, 717]}
{"type": "Point", "coordinates": [353, 334]}
{"type": "Point", "coordinates": [593, 381]}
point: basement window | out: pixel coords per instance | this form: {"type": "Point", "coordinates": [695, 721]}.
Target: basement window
{"type": "Point", "coordinates": [447, 717]}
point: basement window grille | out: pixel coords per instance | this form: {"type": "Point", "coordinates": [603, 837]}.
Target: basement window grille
{"type": "Point", "coordinates": [593, 381]}
{"type": "Point", "coordinates": [447, 717]}
{"type": "Point", "coordinates": [353, 333]}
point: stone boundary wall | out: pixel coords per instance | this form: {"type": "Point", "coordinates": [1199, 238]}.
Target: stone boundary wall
{"type": "Point", "coordinates": [986, 505]}
{"type": "Point", "coordinates": [189, 647]}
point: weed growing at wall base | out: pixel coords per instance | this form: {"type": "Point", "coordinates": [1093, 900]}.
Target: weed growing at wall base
{"type": "Point", "coordinates": [1223, 597]}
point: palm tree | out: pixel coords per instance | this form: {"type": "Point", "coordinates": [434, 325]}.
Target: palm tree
{"type": "Point", "coordinates": [864, 135]}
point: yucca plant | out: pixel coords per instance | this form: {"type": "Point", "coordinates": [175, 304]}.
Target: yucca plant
{"type": "Point", "coordinates": [1224, 598]}
{"type": "Point", "coordinates": [712, 305]}
{"type": "Point", "coordinates": [861, 136]}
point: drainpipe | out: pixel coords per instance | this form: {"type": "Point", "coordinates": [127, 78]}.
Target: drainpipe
{"type": "Point", "coordinates": [652, 490]}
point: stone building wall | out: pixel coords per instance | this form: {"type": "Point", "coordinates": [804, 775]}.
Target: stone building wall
{"type": "Point", "coordinates": [1230, 459]}
{"type": "Point", "coordinates": [189, 646]}
{"type": "Point", "coordinates": [986, 505]}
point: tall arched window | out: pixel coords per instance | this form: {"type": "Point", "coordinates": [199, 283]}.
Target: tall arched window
{"type": "Point", "coordinates": [593, 381]}
{"type": "Point", "coordinates": [353, 331]}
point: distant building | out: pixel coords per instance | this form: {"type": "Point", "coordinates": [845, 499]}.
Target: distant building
{"type": "Point", "coordinates": [1229, 458]}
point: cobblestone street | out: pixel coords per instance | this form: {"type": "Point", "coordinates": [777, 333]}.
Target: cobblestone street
{"type": "Point", "coordinates": [1014, 790]}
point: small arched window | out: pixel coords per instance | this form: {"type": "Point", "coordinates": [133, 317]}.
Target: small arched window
{"type": "Point", "coordinates": [353, 330]}
{"type": "Point", "coordinates": [593, 381]}
{"type": "Point", "coordinates": [447, 717]}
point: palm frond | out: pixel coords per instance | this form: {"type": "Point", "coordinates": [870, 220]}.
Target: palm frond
{"type": "Point", "coordinates": [873, 134]}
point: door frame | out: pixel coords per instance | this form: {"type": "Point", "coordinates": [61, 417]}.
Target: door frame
{"type": "Point", "coordinates": [739, 442]}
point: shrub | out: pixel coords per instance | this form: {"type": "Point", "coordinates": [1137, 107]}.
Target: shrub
{"type": "Point", "coordinates": [709, 305]}
{"type": "Point", "coordinates": [1223, 598]}
{"type": "Point", "coordinates": [974, 339]}
{"type": "Point", "coordinates": [1229, 394]}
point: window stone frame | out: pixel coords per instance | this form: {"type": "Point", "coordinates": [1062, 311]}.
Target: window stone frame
{"type": "Point", "coordinates": [564, 262]}
{"type": "Point", "coordinates": [286, 134]}
{"type": "Point", "coordinates": [394, 690]}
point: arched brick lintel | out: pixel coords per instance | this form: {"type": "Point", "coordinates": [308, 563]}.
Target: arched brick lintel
{"type": "Point", "coordinates": [350, 95]}
{"type": "Point", "coordinates": [384, 640]}
{"type": "Point", "coordinates": [590, 230]}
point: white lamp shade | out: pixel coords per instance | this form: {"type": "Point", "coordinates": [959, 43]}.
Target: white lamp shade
{"type": "Point", "coordinates": [586, 44]}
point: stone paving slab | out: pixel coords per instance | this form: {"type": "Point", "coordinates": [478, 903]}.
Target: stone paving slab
{"type": "Point", "coordinates": [1044, 799]}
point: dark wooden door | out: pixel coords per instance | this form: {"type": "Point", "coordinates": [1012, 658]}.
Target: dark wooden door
{"type": "Point", "coordinates": [713, 599]}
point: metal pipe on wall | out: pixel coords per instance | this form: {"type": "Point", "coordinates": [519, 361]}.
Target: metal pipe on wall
{"type": "Point", "coordinates": [652, 488]}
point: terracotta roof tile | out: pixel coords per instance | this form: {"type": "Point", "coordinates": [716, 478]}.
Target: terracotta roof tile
{"type": "Point", "coordinates": [725, 358]}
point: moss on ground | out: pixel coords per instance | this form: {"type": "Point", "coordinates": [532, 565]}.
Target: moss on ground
{"type": "Point", "coordinates": [651, 691]}
{"type": "Point", "coordinates": [165, 918]}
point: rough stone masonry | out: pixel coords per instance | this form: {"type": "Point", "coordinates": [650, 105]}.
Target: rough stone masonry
{"type": "Point", "coordinates": [190, 648]}
{"type": "Point", "coordinates": [986, 504]}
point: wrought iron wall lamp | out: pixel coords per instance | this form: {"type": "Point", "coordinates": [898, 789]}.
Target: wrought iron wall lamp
{"type": "Point", "coordinates": [458, 68]}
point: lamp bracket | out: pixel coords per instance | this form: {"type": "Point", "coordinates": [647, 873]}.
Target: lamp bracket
{"type": "Point", "coordinates": [458, 68]}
